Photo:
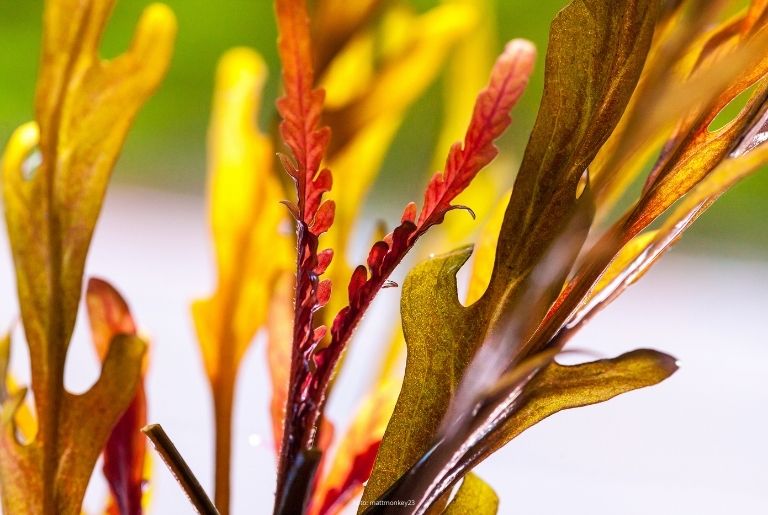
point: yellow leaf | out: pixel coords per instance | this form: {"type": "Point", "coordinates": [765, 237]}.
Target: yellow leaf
{"type": "Point", "coordinates": [246, 215]}
{"type": "Point", "coordinates": [468, 65]}
{"type": "Point", "coordinates": [693, 72]}
{"type": "Point", "coordinates": [335, 23]}
{"type": "Point", "coordinates": [485, 252]}
{"type": "Point", "coordinates": [474, 496]}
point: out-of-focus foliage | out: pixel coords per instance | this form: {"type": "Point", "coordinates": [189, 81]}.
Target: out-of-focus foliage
{"type": "Point", "coordinates": [125, 464]}
{"type": "Point", "coordinates": [164, 149]}
{"type": "Point", "coordinates": [245, 214]}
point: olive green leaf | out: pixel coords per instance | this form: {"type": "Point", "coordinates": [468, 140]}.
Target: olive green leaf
{"type": "Point", "coordinates": [560, 387]}
{"type": "Point", "coordinates": [596, 52]}
{"type": "Point", "coordinates": [434, 365]}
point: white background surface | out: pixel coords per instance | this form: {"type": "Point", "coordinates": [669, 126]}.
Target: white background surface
{"type": "Point", "coordinates": [695, 444]}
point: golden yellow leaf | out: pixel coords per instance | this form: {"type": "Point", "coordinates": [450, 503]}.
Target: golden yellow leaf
{"type": "Point", "coordinates": [245, 213]}
{"type": "Point", "coordinates": [474, 496]}
{"type": "Point", "coordinates": [485, 252]}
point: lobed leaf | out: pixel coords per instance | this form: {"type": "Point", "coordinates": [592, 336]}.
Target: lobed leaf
{"type": "Point", "coordinates": [605, 44]}
{"type": "Point", "coordinates": [301, 108]}
{"type": "Point", "coordinates": [84, 107]}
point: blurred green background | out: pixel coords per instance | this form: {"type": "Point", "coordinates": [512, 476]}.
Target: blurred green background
{"type": "Point", "coordinates": [166, 148]}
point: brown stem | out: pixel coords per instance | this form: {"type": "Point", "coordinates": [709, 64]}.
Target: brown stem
{"type": "Point", "coordinates": [180, 470]}
{"type": "Point", "coordinates": [223, 400]}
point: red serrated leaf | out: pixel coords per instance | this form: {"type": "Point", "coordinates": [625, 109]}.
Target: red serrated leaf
{"type": "Point", "coordinates": [301, 108]}
{"type": "Point", "coordinates": [489, 120]}
{"type": "Point", "coordinates": [324, 217]}
{"type": "Point", "coordinates": [324, 259]}
{"type": "Point", "coordinates": [376, 255]}
{"type": "Point", "coordinates": [491, 117]}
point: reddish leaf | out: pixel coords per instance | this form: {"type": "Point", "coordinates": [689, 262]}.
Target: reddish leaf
{"type": "Point", "coordinates": [489, 120]}
{"type": "Point", "coordinates": [300, 109]}
{"type": "Point", "coordinates": [124, 453]}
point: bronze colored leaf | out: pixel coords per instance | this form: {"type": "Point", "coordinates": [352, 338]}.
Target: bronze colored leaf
{"type": "Point", "coordinates": [559, 387]}
{"type": "Point", "coordinates": [604, 45]}
{"type": "Point", "coordinates": [84, 107]}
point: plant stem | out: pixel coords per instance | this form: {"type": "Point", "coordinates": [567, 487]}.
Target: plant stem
{"type": "Point", "coordinates": [223, 399]}
{"type": "Point", "coordinates": [180, 470]}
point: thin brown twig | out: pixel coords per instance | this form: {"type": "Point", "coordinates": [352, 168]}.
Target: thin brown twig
{"type": "Point", "coordinates": [180, 470]}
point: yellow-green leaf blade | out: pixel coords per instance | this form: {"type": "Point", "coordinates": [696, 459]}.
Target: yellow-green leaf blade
{"type": "Point", "coordinates": [560, 387]}
{"type": "Point", "coordinates": [474, 496]}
